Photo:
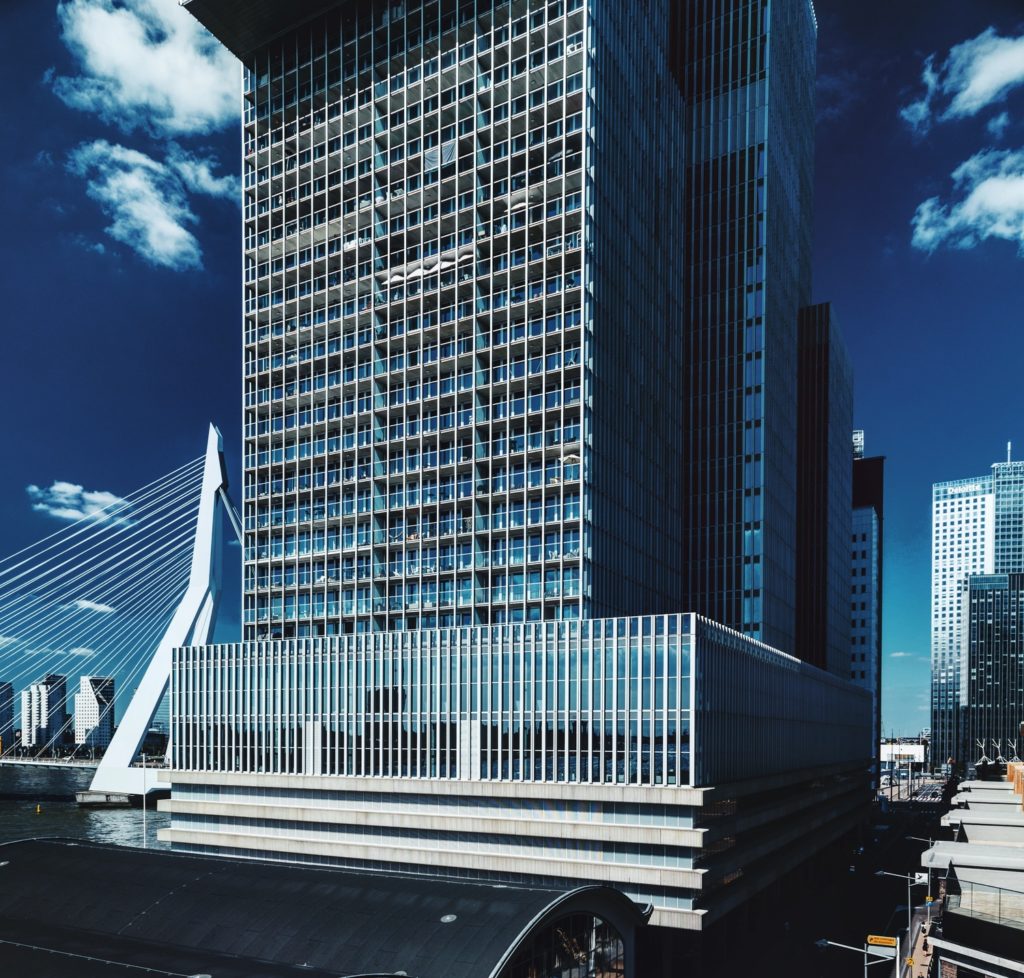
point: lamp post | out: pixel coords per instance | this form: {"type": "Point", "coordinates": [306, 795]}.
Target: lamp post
{"type": "Point", "coordinates": [145, 837]}
{"type": "Point", "coordinates": [865, 950]}
{"type": "Point", "coordinates": [912, 880]}
{"type": "Point", "coordinates": [931, 842]}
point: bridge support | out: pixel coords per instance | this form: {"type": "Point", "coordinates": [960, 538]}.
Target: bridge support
{"type": "Point", "coordinates": [117, 777]}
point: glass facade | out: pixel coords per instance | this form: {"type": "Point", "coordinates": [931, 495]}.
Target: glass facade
{"type": "Point", "coordinates": [460, 337]}
{"type": "Point", "coordinates": [604, 701]}
{"type": "Point", "coordinates": [748, 210]}
{"type": "Point", "coordinates": [661, 700]}
{"type": "Point", "coordinates": [992, 668]}
{"type": "Point", "coordinates": [576, 946]}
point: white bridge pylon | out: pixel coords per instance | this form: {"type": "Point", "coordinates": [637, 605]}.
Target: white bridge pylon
{"type": "Point", "coordinates": [191, 624]}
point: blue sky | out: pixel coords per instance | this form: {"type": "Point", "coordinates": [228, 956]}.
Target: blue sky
{"type": "Point", "coordinates": [120, 264]}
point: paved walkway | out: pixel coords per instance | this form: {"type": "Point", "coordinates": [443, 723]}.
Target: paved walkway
{"type": "Point", "coordinates": [922, 958]}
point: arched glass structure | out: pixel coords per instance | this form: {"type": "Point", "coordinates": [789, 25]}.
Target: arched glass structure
{"type": "Point", "coordinates": [576, 946]}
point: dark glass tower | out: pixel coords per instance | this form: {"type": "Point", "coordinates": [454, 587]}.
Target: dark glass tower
{"type": "Point", "coordinates": [748, 73]}
{"type": "Point", "coordinates": [867, 553]}
{"type": "Point", "coordinates": [824, 424]}
{"type": "Point", "coordinates": [992, 668]}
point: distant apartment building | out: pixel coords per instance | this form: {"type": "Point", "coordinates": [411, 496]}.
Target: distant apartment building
{"type": "Point", "coordinates": [977, 528]}
{"type": "Point", "coordinates": [44, 718]}
{"type": "Point", "coordinates": [866, 563]}
{"type": "Point", "coordinates": [94, 711]}
{"type": "Point", "coordinates": [6, 716]}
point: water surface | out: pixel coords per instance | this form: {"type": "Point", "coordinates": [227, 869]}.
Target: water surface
{"type": "Point", "coordinates": [53, 791]}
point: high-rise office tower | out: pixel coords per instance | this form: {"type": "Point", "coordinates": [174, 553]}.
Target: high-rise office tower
{"type": "Point", "coordinates": [823, 497]}
{"type": "Point", "coordinates": [977, 528]}
{"type": "Point", "coordinates": [992, 667]}
{"type": "Point", "coordinates": [748, 76]}
{"type": "Point", "coordinates": [44, 713]}
{"type": "Point", "coordinates": [866, 562]}
{"type": "Point", "coordinates": [522, 284]}
{"type": "Point", "coordinates": [94, 711]}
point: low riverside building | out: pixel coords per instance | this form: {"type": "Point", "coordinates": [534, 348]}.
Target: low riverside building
{"type": "Point", "coordinates": [981, 930]}
{"type": "Point", "coordinates": [683, 763]}
{"type": "Point", "coordinates": [72, 909]}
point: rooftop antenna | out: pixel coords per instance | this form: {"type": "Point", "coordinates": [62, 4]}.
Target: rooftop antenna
{"type": "Point", "coordinates": [1009, 448]}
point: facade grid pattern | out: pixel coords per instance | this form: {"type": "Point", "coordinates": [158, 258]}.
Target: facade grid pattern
{"type": "Point", "coordinates": [419, 334]}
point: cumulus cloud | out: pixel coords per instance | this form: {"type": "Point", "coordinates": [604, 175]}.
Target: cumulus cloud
{"type": "Point", "coordinates": [989, 191]}
{"type": "Point", "coordinates": [146, 64]}
{"type": "Point", "coordinates": [975, 74]}
{"type": "Point", "coordinates": [82, 652]}
{"type": "Point", "coordinates": [68, 501]}
{"type": "Point", "coordinates": [84, 604]}
{"type": "Point", "coordinates": [148, 199]}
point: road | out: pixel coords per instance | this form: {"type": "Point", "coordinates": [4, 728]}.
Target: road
{"type": "Point", "coordinates": [844, 900]}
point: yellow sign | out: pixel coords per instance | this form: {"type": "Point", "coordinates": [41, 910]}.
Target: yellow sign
{"type": "Point", "coordinates": [880, 941]}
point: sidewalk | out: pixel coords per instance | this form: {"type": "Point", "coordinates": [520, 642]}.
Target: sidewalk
{"type": "Point", "coordinates": [922, 958]}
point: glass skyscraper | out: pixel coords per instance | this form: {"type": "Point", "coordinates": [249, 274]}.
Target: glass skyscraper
{"type": "Point", "coordinates": [522, 288]}
{"type": "Point", "coordinates": [748, 78]}
{"type": "Point", "coordinates": [992, 668]}
{"type": "Point", "coordinates": [462, 343]}
{"type": "Point", "coordinates": [977, 529]}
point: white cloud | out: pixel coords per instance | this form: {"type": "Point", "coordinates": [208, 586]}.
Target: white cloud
{"type": "Point", "coordinates": [976, 74]}
{"type": "Point", "coordinates": [84, 604]}
{"type": "Point", "coordinates": [149, 64]}
{"type": "Point", "coordinates": [68, 501]}
{"type": "Point", "coordinates": [990, 188]}
{"type": "Point", "coordinates": [998, 125]}
{"type": "Point", "coordinates": [148, 199]}
{"type": "Point", "coordinates": [82, 653]}
{"type": "Point", "coordinates": [6, 640]}
{"type": "Point", "coordinates": [902, 655]}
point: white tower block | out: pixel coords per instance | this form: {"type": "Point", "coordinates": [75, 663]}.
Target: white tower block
{"type": "Point", "coordinates": [192, 624]}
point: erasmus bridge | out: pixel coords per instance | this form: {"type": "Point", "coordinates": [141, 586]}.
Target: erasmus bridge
{"type": "Point", "coordinates": [113, 594]}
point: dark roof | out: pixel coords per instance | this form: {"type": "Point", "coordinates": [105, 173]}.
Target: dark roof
{"type": "Point", "coordinates": [243, 26]}
{"type": "Point", "coordinates": [235, 918]}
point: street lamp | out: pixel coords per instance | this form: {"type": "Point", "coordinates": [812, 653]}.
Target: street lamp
{"type": "Point", "coordinates": [879, 957]}
{"type": "Point", "coordinates": [145, 838]}
{"type": "Point", "coordinates": [931, 842]}
{"type": "Point", "coordinates": [913, 879]}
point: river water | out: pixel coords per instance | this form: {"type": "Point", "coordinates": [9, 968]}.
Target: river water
{"type": "Point", "coordinates": [53, 791]}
